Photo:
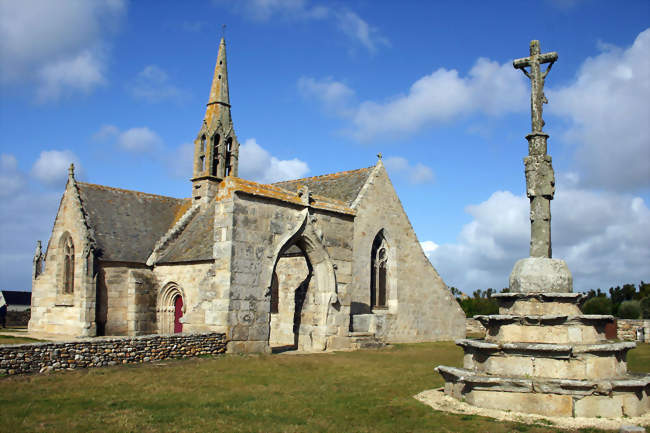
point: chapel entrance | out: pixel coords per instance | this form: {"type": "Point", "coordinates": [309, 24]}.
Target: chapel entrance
{"type": "Point", "coordinates": [290, 285]}
{"type": "Point", "coordinates": [170, 309]}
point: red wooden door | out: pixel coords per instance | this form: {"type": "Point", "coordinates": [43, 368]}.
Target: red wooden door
{"type": "Point", "coordinates": [178, 313]}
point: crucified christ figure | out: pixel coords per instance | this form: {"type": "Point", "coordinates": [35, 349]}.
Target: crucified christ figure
{"type": "Point", "coordinates": [536, 77]}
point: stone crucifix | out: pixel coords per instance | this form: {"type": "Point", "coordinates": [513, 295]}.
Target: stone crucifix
{"type": "Point", "coordinates": [540, 179]}
{"type": "Point", "coordinates": [536, 76]}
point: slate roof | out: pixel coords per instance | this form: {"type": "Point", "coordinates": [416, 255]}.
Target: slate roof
{"type": "Point", "coordinates": [14, 297]}
{"type": "Point", "coordinates": [127, 224]}
{"type": "Point", "coordinates": [196, 242]}
{"type": "Point", "coordinates": [343, 186]}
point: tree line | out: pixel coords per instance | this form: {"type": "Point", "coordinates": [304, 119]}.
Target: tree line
{"type": "Point", "coordinates": [625, 302]}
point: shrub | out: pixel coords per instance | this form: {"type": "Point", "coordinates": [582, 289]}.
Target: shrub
{"type": "Point", "coordinates": [629, 310]}
{"type": "Point", "coordinates": [598, 305]}
{"type": "Point", "coordinates": [475, 306]}
{"type": "Point", "coordinates": [645, 307]}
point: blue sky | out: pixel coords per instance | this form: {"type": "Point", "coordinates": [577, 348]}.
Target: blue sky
{"type": "Point", "coordinates": [120, 87]}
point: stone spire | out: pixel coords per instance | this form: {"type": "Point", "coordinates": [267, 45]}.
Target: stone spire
{"type": "Point", "coordinates": [216, 149]}
{"type": "Point", "coordinates": [219, 102]}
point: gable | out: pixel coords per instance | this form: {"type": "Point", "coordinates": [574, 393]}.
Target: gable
{"type": "Point", "coordinates": [127, 224]}
{"type": "Point", "coordinates": [343, 186]}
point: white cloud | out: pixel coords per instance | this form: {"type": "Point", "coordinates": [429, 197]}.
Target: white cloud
{"type": "Point", "coordinates": [139, 140]}
{"type": "Point", "coordinates": [416, 174]}
{"type": "Point", "coordinates": [51, 167]}
{"type": "Point", "coordinates": [603, 237]}
{"type": "Point", "coordinates": [334, 95]}
{"type": "Point", "coordinates": [152, 85]}
{"type": "Point", "coordinates": [348, 22]}
{"type": "Point", "coordinates": [255, 163]}
{"type": "Point", "coordinates": [82, 73]}
{"type": "Point", "coordinates": [428, 246]}
{"type": "Point", "coordinates": [608, 108]}
{"type": "Point", "coordinates": [358, 29]}
{"type": "Point", "coordinates": [11, 179]}
{"type": "Point", "coordinates": [57, 44]}
{"type": "Point", "coordinates": [134, 140]}
{"type": "Point", "coordinates": [443, 96]}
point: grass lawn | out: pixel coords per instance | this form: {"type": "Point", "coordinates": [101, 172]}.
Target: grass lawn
{"type": "Point", "coordinates": [362, 391]}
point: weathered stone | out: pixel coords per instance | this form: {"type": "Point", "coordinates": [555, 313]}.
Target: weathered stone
{"type": "Point", "coordinates": [538, 274]}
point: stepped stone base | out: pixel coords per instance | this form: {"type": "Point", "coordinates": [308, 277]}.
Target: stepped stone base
{"type": "Point", "coordinates": [627, 396]}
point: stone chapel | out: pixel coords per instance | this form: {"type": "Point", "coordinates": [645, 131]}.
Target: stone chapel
{"type": "Point", "coordinates": [319, 263]}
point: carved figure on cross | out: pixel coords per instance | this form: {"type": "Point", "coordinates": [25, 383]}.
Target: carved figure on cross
{"type": "Point", "coordinates": [536, 76]}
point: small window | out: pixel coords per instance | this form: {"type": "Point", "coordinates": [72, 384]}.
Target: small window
{"type": "Point", "coordinates": [378, 271]}
{"type": "Point", "coordinates": [68, 265]}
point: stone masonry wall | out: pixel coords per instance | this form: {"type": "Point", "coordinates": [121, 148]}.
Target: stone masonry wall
{"type": "Point", "coordinates": [52, 310]}
{"type": "Point", "coordinates": [420, 307]}
{"type": "Point", "coordinates": [101, 352]}
{"type": "Point", "coordinates": [627, 329]}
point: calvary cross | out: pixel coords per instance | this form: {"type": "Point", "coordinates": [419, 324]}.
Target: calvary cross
{"type": "Point", "coordinates": [537, 77]}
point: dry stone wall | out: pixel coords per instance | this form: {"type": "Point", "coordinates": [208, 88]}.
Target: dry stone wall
{"type": "Point", "coordinates": [627, 330]}
{"type": "Point", "coordinates": [101, 352]}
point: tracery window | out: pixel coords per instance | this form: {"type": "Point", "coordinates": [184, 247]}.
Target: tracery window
{"type": "Point", "coordinates": [378, 271]}
{"type": "Point", "coordinates": [68, 264]}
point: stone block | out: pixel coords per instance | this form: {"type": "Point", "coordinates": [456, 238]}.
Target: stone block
{"type": "Point", "coordinates": [540, 274]}
{"type": "Point", "coordinates": [631, 403]}
{"type": "Point", "coordinates": [593, 406]}
{"type": "Point", "coordinates": [631, 429]}
{"type": "Point", "coordinates": [542, 404]}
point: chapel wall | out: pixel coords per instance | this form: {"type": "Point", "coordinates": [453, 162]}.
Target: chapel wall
{"type": "Point", "coordinates": [203, 305]}
{"type": "Point", "coordinates": [112, 301]}
{"type": "Point", "coordinates": [52, 310]}
{"type": "Point", "coordinates": [420, 307]}
{"type": "Point", "coordinates": [260, 227]}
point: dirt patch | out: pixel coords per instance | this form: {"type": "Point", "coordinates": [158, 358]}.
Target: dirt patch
{"type": "Point", "coordinates": [437, 399]}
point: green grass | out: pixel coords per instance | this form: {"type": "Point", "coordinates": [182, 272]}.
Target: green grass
{"type": "Point", "coordinates": [362, 391]}
{"type": "Point", "coordinates": [9, 339]}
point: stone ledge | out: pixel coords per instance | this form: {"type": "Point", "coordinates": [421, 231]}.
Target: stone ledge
{"type": "Point", "coordinates": [549, 348]}
{"type": "Point", "coordinates": [576, 387]}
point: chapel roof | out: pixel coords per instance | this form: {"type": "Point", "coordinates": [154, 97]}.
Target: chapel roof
{"type": "Point", "coordinates": [343, 186]}
{"type": "Point", "coordinates": [196, 241]}
{"type": "Point", "coordinates": [127, 224]}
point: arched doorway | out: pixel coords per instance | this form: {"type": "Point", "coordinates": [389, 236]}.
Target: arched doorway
{"type": "Point", "coordinates": [311, 289]}
{"type": "Point", "coordinates": [291, 278]}
{"type": "Point", "coordinates": [170, 309]}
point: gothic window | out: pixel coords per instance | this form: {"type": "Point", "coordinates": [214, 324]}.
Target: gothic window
{"type": "Point", "coordinates": [228, 155]}
{"type": "Point", "coordinates": [215, 154]}
{"type": "Point", "coordinates": [378, 271]}
{"type": "Point", "coordinates": [68, 264]}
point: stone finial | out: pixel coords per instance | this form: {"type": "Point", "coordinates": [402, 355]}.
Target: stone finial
{"type": "Point", "coordinates": [305, 195]}
{"type": "Point", "coordinates": [71, 171]}
{"type": "Point", "coordinates": [38, 261]}
{"type": "Point", "coordinates": [379, 155]}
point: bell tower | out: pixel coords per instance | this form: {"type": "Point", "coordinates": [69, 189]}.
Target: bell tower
{"type": "Point", "coordinates": [216, 149]}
